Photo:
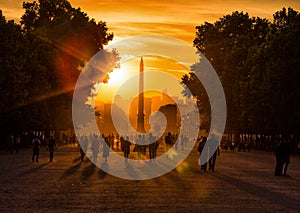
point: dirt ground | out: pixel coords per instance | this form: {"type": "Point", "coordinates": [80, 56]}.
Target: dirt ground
{"type": "Point", "coordinates": [243, 182]}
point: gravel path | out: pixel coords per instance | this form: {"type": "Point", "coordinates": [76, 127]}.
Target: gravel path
{"type": "Point", "coordinates": [243, 182]}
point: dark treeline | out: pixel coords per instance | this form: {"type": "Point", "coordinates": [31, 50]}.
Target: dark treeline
{"type": "Point", "coordinates": [40, 60]}
{"type": "Point", "coordinates": [258, 63]}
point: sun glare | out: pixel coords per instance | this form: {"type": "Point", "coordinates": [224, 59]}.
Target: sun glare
{"type": "Point", "coordinates": [130, 68]}
{"type": "Point", "coordinates": [117, 77]}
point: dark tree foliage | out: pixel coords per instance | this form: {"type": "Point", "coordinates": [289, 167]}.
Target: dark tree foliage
{"type": "Point", "coordinates": [258, 64]}
{"type": "Point", "coordinates": [14, 80]}
{"type": "Point", "coordinates": [74, 37]}
{"type": "Point", "coordinates": [40, 61]}
{"type": "Point", "coordinates": [277, 69]}
{"type": "Point", "coordinates": [192, 82]}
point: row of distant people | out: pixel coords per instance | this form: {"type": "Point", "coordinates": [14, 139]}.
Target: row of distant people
{"type": "Point", "coordinates": [122, 143]}
{"type": "Point", "coordinates": [114, 141]}
{"type": "Point", "coordinates": [13, 143]}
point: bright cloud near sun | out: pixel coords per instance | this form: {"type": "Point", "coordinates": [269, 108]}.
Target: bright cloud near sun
{"type": "Point", "coordinates": [118, 76]}
{"type": "Point", "coordinates": [130, 68]}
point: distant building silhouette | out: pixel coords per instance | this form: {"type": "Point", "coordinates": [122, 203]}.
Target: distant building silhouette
{"type": "Point", "coordinates": [170, 111]}
{"type": "Point", "coordinates": [108, 126]}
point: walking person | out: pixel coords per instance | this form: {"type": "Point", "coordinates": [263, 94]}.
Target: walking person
{"type": "Point", "coordinates": [144, 146]}
{"type": "Point", "coordinates": [106, 149]}
{"type": "Point", "coordinates": [201, 145]}
{"type": "Point", "coordinates": [11, 141]}
{"type": "Point", "coordinates": [182, 140]}
{"type": "Point", "coordinates": [286, 157]}
{"type": "Point", "coordinates": [127, 144]}
{"type": "Point", "coordinates": [175, 139]}
{"type": "Point", "coordinates": [17, 143]}
{"type": "Point", "coordinates": [169, 143]}
{"type": "Point", "coordinates": [122, 141]}
{"type": "Point", "coordinates": [213, 147]}
{"type": "Point", "coordinates": [51, 147]}
{"type": "Point", "coordinates": [139, 148]}
{"type": "Point", "coordinates": [83, 147]}
{"type": "Point", "coordinates": [36, 143]}
{"type": "Point", "coordinates": [95, 147]}
{"type": "Point", "coordinates": [152, 147]}
{"type": "Point", "coordinates": [282, 154]}
{"type": "Point", "coordinates": [157, 142]}
{"type": "Point", "coordinates": [117, 141]}
{"type": "Point", "coordinates": [82, 153]}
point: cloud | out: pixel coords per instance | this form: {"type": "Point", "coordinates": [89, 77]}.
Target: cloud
{"type": "Point", "coordinates": [174, 18]}
{"type": "Point", "coordinates": [158, 45]}
{"type": "Point", "coordinates": [184, 31]}
{"type": "Point", "coordinates": [192, 11]}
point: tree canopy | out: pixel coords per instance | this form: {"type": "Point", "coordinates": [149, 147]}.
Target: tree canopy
{"type": "Point", "coordinates": [257, 62]}
{"type": "Point", "coordinates": [40, 61]}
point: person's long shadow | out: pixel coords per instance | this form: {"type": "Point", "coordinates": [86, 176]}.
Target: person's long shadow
{"type": "Point", "coordinates": [131, 170]}
{"type": "Point", "coordinates": [88, 171]}
{"type": "Point", "coordinates": [102, 172]}
{"type": "Point", "coordinates": [262, 192]}
{"type": "Point", "coordinates": [77, 159]}
{"type": "Point", "coordinates": [72, 170]}
{"type": "Point", "coordinates": [32, 170]}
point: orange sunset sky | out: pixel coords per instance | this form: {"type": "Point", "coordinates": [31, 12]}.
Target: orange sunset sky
{"type": "Point", "coordinates": [170, 17]}
{"type": "Point", "coordinates": [176, 18]}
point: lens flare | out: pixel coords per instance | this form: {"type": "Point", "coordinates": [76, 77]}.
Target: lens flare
{"type": "Point", "coordinates": [186, 126]}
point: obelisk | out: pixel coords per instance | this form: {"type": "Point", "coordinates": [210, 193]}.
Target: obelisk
{"type": "Point", "coordinates": [141, 115]}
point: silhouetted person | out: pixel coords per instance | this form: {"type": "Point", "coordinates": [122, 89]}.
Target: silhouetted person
{"type": "Point", "coordinates": [232, 146]}
{"type": "Point", "coordinates": [139, 147]}
{"type": "Point", "coordinates": [17, 143]}
{"type": "Point", "coordinates": [122, 140]}
{"type": "Point", "coordinates": [81, 153]}
{"type": "Point", "coordinates": [144, 146]}
{"type": "Point", "coordinates": [152, 146]}
{"type": "Point", "coordinates": [183, 141]}
{"type": "Point", "coordinates": [36, 143]}
{"type": "Point", "coordinates": [10, 144]}
{"type": "Point", "coordinates": [127, 144]}
{"type": "Point", "coordinates": [95, 147]}
{"type": "Point", "coordinates": [117, 141]}
{"type": "Point", "coordinates": [213, 147]}
{"type": "Point", "coordinates": [51, 147]}
{"type": "Point", "coordinates": [169, 141]}
{"type": "Point", "coordinates": [111, 140]}
{"type": "Point", "coordinates": [83, 147]}
{"type": "Point", "coordinates": [106, 150]}
{"type": "Point", "coordinates": [282, 154]}
{"type": "Point", "coordinates": [200, 149]}
{"type": "Point", "coordinates": [175, 139]}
